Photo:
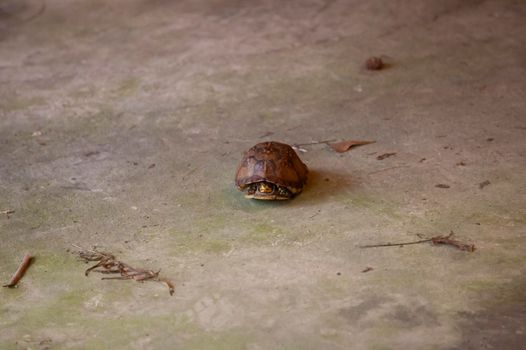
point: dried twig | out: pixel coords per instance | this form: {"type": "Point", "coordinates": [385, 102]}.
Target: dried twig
{"type": "Point", "coordinates": [108, 264]}
{"type": "Point", "coordinates": [312, 143]}
{"type": "Point", "coordinates": [266, 134]}
{"type": "Point", "coordinates": [394, 244]}
{"type": "Point", "coordinates": [298, 146]}
{"type": "Point", "coordinates": [340, 147]}
{"type": "Point", "coordinates": [28, 258]}
{"type": "Point", "coordinates": [386, 169]}
{"type": "Point", "coordinates": [435, 240]}
{"type": "Point", "coordinates": [345, 146]}
{"type": "Point", "coordinates": [385, 155]}
{"type": "Point", "coordinates": [6, 212]}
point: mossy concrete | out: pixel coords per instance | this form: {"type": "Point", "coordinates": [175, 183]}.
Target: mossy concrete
{"type": "Point", "coordinates": [123, 127]}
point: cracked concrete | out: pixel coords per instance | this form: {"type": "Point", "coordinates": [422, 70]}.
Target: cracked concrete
{"type": "Point", "coordinates": [122, 124]}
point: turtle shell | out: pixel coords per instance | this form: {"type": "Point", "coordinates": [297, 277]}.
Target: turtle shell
{"type": "Point", "coordinates": [272, 162]}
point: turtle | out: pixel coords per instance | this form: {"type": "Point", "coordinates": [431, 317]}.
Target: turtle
{"type": "Point", "coordinates": [271, 171]}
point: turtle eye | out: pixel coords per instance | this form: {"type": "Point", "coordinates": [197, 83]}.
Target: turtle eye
{"type": "Point", "coordinates": [265, 188]}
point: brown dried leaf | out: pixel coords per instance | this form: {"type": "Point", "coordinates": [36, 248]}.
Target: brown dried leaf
{"type": "Point", "coordinates": [345, 146]}
{"type": "Point", "coordinates": [452, 242]}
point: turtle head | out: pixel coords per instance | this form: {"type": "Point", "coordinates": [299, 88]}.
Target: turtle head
{"type": "Point", "coordinates": [267, 191]}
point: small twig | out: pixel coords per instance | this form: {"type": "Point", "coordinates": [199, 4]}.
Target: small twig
{"type": "Point", "coordinates": [83, 251]}
{"type": "Point", "coordinates": [7, 212]}
{"type": "Point", "coordinates": [385, 155]}
{"type": "Point", "coordinates": [312, 143]}
{"type": "Point", "coordinates": [266, 134]}
{"type": "Point", "coordinates": [28, 258]}
{"type": "Point", "coordinates": [347, 145]}
{"type": "Point", "coordinates": [171, 286]}
{"type": "Point", "coordinates": [297, 146]}
{"type": "Point", "coordinates": [435, 240]}
{"type": "Point", "coordinates": [394, 244]}
{"type": "Point", "coordinates": [386, 169]}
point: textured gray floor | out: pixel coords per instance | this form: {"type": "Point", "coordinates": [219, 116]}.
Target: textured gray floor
{"type": "Point", "coordinates": [122, 124]}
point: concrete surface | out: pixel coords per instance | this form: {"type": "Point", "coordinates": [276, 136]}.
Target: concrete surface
{"type": "Point", "coordinates": [122, 124]}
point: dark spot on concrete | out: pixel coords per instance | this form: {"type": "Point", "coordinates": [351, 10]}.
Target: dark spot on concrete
{"type": "Point", "coordinates": [494, 328]}
{"type": "Point", "coordinates": [355, 313]}
{"type": "Point", "coordinates": [374, 63]}
{"type": "Point", "coordinates": [442, 186]}
{"type": "Point", "coordinates": [501, 324]}
{"type": "Point", "coordinates": [91, 153]}
{"type": "Point", "coordinates": [414, 316]}
{"type": "Point", "coordinates": [484, 184]}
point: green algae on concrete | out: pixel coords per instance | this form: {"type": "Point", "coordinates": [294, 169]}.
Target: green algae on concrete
{"type": "Point", "coordinates": [231, 340]}
{"type": "Point", "coordinates": [198, 242]}
{"type": "Point", "coordinates": [127, 87]}
{"type": "Point", "coordinates": [209, 79]}
{"type": "Point", "coordinates": [21, 103]}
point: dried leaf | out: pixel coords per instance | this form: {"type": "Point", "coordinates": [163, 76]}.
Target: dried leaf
{"type": "Point", "coordinates": [345, 146]}
{"type": "Point", "coordinates": [452, 242]}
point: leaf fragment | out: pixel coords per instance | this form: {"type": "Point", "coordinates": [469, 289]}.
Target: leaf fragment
{"type": "Point", "coordinates": [345, 146]}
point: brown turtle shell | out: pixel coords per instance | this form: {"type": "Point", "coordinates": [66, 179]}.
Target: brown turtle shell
{"type": "Point", "coordinates": [273, 162]}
